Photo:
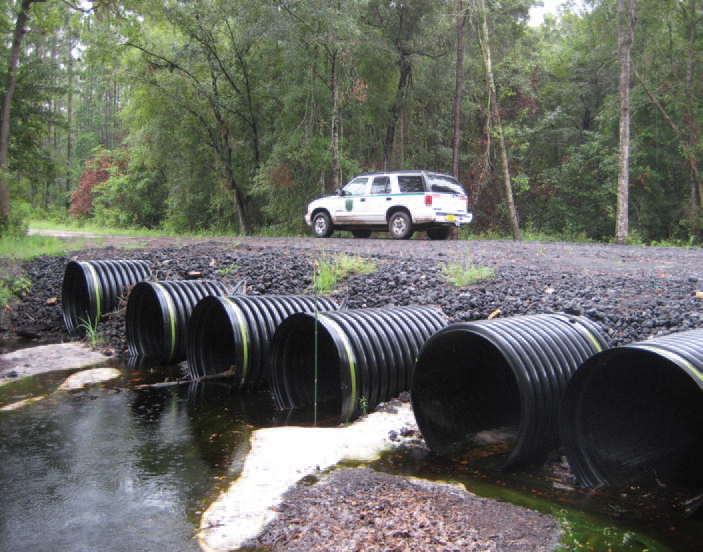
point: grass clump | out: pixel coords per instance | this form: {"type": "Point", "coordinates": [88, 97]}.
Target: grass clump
{"type": "Point", "coordinates": [330, 270]}
{"type": "Point", "coordinates": [14, 288]}
{"type": "Point", "coordinates": [466, 273]}
{"type": "Point", "coordinates": [92, 336]}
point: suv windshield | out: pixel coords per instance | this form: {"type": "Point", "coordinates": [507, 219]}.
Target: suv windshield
{"type": "Point", "coordinates": [439, 183]}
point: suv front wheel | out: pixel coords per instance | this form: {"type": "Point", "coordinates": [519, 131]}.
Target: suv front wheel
{"type": "Point", "coordinates": [400, 226]}
{"type": "Point", "coordinates": [322, 225]}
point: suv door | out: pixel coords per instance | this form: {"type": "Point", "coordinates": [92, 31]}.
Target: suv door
{"type": "Point", "coordinates": [376, 202]}
{"type": "Point", "coordinates": [349, 206]}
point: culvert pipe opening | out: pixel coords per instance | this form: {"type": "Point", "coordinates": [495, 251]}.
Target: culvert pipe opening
{"type": "Point", "coordinates": [635, 414]}
{"type": "Point", "coordinates": [309, 364]}
{"type": "Point", "coordinates": [370, 351]}
{"type": "Point", "coordinates": [500, 383]}
{"type": "Point", "coordinates": [465, 394]}
{"type": "Point", "coordinates": [212, 347]}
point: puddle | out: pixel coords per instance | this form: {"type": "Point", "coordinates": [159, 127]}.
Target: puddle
{"type": "Point", "coordinates": [109, 468]}
{"type": "Point", "coordinates": [125, 466]}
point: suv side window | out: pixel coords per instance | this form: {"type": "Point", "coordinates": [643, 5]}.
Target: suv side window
{"type": "Point", "coordinates": [381, 185]}
{"type": "Point", "coordinates": [410, 183]}
{"type": "Point", "coordinates": [356, 186]}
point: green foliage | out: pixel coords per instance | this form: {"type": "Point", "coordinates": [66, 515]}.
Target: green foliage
{"type": "Point", "coordinates": [328, 270]}
{"type": "Point", "coordinates": [363, 406]}
{"type": "Point", "coordinates": [226, 271]}
{"type": "Point", "coordinates": [224, 112]}
{"type": "Point", "coordinates": [466, 272]}
{"type": "Point", "coordinates": [135, 198]}
{"type": "Point", "coordinates": [102, 167]}
{"type": "Point", "coordinates": [14, 287]}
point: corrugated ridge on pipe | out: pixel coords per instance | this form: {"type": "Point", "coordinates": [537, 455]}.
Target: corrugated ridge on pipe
{"type": "Point", "coordinates": [232, 334]}
{"type": "Point", "coordinates": [363, 356]}
{"type": "Point", "coordinates": [158, 312]}
{"type": "Point", "coordinates": [91, 289]}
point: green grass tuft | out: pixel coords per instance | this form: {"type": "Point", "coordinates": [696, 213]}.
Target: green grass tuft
{"type": "Point", "coordinates": [466, 273]}
{"type": "Point", "coordinates": [331, 269]}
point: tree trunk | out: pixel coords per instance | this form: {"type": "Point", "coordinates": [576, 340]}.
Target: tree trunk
{"type": "Point", "coordinates": [625, 36]}
{"type": "Point", "coordinates": [460, 25]}
{"type": "Point", "coordinates": [495, 115]}
{"type": "Point", "coordinates": [69, 124]}
{"type": "Point", "coordinates": [17, 36]}
{"type": "Point", "coordinates": [692, 124]}
{"type": "Point", "coordinates": [334, 85]}
{"type": "Point", "coordinates": [405, 66]}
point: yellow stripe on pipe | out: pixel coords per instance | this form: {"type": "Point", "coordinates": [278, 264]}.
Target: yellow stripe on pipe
{"type": "Point", "coordinates": [96, 285]}
{"type": "Point", "coordinates": [350, 358]}
{"type": "Point", "coordinates": [676, 359]}
{"type": "Point", "coordinates": [245, 340]}
{"type": "Point", "coordinates": [592, 338]}
{"type": "Point", "coordinates": [171, 317]}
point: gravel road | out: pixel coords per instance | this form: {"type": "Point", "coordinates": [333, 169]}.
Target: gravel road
{"type": "Point", "coordinates": [634, 292]}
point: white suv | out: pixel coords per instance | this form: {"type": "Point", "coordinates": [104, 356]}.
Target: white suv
{"type": "Point", "coordinates": [399, 201]}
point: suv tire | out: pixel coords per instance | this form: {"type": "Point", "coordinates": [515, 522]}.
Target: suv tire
{"type": "Point", "coordinates": [439, 233]}
{"type": "Point", "coordinates": [322, 225]}
{"type": "Point", "coordinates": [400, 226]}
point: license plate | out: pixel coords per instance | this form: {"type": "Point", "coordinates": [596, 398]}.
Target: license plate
{"type": "Point", "coordinates": [450, 218]}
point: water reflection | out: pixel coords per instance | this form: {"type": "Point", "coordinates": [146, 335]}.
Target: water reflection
{"type": "Point", "coordinates": [111, 469]}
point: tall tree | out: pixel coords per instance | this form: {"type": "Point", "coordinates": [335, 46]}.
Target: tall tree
{"type": "Point", "coordinates": [461, 24]}
{"type": "Point", "coordinates": [329, 27]}
{"type": "Point", "coordinates": [5, 111]}
{"type": "Point", "coordinates": [402, 26]}
{"type": "Point", "coordinates": [494, 115]}
{"type": "Point", "coordinates": [625, 22]}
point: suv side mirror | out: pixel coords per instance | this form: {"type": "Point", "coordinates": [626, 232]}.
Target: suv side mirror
{"type": "Point", "coordinates": [340, 192]}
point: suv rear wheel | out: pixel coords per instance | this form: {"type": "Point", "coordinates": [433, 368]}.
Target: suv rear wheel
{"type": "Point", "coordinates": [439, 233]}
{"type": "Point", "coordinates": [322, 225]}
{"type": "Point", "coordinates": [400, 226]}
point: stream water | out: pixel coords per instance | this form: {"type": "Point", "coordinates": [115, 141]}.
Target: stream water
{"type": "Point", "coordinates": [128, 467]}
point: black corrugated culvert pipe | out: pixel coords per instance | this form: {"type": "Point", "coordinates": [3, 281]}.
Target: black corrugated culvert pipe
{"type": "Point", "coordinates": [231, 335]}
{"type": "Point", "coordinates": [503, 379]}
{"type": "Point", "coordinates": [635, 414]}
{"type": "Point", "coordinates": [360, 357]}
{"type": "Point", "coordinates": [91, 289]}
{"type": "Point", "coordinates": [158, 312]}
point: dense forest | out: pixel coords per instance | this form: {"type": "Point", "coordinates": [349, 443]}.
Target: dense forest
{"type": "Point", "coordinates": [231, 115]}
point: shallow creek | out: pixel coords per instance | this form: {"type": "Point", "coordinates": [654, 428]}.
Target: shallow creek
{"type": "Point", "coordinates": [125, 465]}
